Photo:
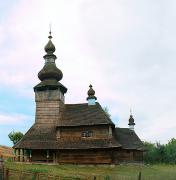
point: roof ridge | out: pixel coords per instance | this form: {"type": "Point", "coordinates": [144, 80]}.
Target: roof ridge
{"type": "Point", "coordinates": [97, 103]}
{"type": "Point", "coordinates": [76, 104]}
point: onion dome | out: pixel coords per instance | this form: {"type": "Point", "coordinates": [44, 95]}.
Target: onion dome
{"type": "Point", "coordinates": [131, 120]}
{"type": "Point", "coordinates": [50, 71]}
{"type": "Point", "coordinates": [91, 93]}
{"type": "Point", "coordinates": [50, 48]}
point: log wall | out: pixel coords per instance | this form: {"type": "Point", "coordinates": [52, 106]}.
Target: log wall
{"type": "Point", "coordinates": [84, 157]}
{"type": "Point", "coordinates": [128, 156]}
{"type": "Point", "coordinates": [48, 106]}
{"type": "Point", "coordinates": [101, 132]}
{"type": "Point", "coordinates": [90, 156]}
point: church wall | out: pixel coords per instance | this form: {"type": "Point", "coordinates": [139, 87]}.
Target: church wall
{"type": "Point", "coordinates": [138, 155]}
{"type": "Point", "coordinates": [47, 112]}
{"type": "Point", "coordinates": [90, 156]}
{"type": "Point", "coordinates": [84, 157]}
{"type": "Point", "coordinates": [101, 132]}
{"type": "Point", "coordinates": [124, 155]}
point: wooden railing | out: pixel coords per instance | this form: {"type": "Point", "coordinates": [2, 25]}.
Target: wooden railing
{"type": "Point", "coordinates": [10, 174]}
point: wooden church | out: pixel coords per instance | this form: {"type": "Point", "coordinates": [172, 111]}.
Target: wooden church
{"type": "Point", "coordinates": [73, 133]}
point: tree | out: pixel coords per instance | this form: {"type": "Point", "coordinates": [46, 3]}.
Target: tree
{"type": "Point", "coordinates": [106, 110]}
{"type": "Point", "coordinates": [150, 153]}
{"type": "Point", "coordinates": [15, 136]}
{"type": "Point", "coordinates": [160, 153]}
{"type": "Point", "coordinates": [171, 151]}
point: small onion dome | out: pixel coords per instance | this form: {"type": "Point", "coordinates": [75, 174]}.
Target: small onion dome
{"type": "Point", "coordinates": [50, 48]}
{"type": "Point", "coordinates": [50, 71]}
{"type": "Point", "coordinates": [131, 120]}
{"type": "Point", "coordinates": [91, 93]}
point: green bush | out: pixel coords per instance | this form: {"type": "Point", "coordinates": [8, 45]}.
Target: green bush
{"type": "Point", "coordinates": [158, 153]}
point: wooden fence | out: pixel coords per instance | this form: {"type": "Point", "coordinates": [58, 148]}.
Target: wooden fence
{"type": "Point", "coordinates": [10, 174]}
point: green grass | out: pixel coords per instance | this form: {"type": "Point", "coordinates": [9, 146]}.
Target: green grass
{"type": "Point", "coordinates": [121, 172]}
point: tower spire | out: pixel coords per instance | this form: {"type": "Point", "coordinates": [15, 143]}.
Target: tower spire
{"type": "Point", "coordinates": [50, 48]}
{"type": "Point", "coordinates": [131, 121]}
{"type": "Point", "coordinates": [130, 111]}
{"type": "Point", "coordinates": [50, 74]}
{"type": "Point", "coordinates": [50, 37]}
{"type": "Point", "coordinates": [91, 96]}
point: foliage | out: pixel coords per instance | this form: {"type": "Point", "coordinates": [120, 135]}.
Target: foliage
{"type": "Point", "coordinates": [106, 110]}
{"type": "Point", "coordinates": [170, 150]}
{"type": "Point", "coordinates": [160, 153]}
{"type": "Point", "coordinates": [15, 136]}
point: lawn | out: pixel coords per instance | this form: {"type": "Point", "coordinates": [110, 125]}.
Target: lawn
{"type": "Point", "coordinates": [121, 172]}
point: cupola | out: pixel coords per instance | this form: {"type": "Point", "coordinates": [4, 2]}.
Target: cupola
{"type": "Point", "coordinates": [131, 122]}
{"type": "Point", "coordinates": [50, 74]}
{"type": "Point", "coordinates": [91, 96]}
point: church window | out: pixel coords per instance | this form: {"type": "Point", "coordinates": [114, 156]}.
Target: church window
{"type": "Point", "coordinates": [87, 134]}
{"type": "Point", "coordinates": [83, 134]}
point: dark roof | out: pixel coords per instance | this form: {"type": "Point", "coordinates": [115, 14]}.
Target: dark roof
{"type": "Point", "coordinates": [84, 143]}
{"type": "Point", "coordinates": [69, 144]}
{"type": "Point", "coordinates": [50, 71]}
{"type": "Point", "coordinates": [50, 84]}
{"type": "Point", "coordinates": [44, 137]}
{"type": "Point", "coordinates": [83, 115]}
{"type": "Point", "coordinates": [38, 135]}
{"type": "Point", "coordinates": [128, 139]}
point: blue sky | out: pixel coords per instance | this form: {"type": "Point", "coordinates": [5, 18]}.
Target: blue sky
{"type": "Point", "coordinates": [125, 48]}
{"type": "Point", "coordinates": [17, 113]}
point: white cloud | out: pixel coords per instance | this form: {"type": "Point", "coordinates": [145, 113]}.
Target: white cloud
{"type": "Point", "coordinates": [13, 119]}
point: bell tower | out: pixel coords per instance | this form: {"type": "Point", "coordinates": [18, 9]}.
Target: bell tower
{"type": "Point", "coordinates": [49, 93]}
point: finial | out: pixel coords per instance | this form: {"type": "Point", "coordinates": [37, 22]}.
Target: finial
{"type": "Point", "coordinates": [50, 48]}
{"type": "Point", "coordinates": [130, 111]}
{"type": "Point", "coordinates": [50, 37]}
{"type": "Point", "coordinates": [90, 85]}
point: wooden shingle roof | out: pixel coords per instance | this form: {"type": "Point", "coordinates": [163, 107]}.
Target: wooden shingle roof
{"type": "Point", "coordinates": [69, 144]}
{"type": "Point", "coordinates": [128, 139]}
{"type": "Point", "coordinates": [83, 115]}
{"type": "Point", "coordinates": [38, 136]}
{"type": "Point", "coordinates": [44, 137]}
{"type": "Point", "coordinates": [74, 115]}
